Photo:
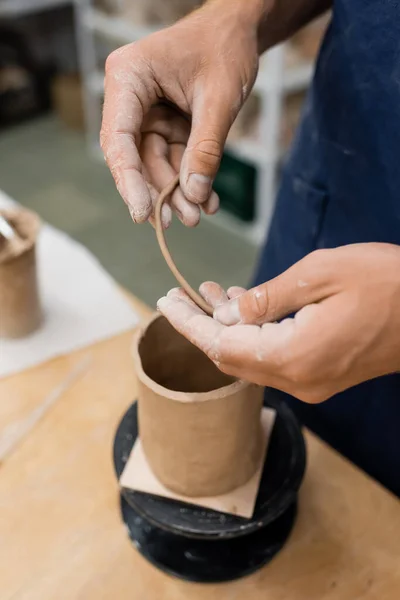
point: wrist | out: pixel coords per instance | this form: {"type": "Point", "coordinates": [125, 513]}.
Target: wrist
{"type": "Point", "coordinates": [249, 14]}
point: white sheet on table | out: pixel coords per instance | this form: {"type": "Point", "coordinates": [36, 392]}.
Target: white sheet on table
{"type": "Point", "coordinates": [81, 302]}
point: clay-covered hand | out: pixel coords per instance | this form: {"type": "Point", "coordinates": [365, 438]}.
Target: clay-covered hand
{"type": "Point", "coordinates": [170, 100]}
{"type": "Point", "coordinates": [346, 327]}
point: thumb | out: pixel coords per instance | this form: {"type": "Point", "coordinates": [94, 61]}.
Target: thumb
{"type": "Point", "coordinates": [310, 280]}
{"type": "Point", "coordinates": [212, 117]}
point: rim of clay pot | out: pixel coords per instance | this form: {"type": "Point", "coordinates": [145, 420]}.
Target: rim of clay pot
{"type": "Point", "coordinates": [216, 394]}
{"type": "Point", "coordinates": [27, 243]}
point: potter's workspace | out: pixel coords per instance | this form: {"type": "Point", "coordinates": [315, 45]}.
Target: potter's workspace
{"type": "Point", "coordinates": [199, 300]}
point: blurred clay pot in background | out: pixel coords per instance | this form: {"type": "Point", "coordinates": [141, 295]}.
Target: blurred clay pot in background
{"type": "Point", "coordinates": [20, 311]}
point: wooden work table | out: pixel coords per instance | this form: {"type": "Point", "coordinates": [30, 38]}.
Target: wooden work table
{"type": "Point", "coordinates": [61, 536]}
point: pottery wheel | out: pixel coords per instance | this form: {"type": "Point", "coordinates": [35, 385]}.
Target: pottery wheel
{"type": "Point", "coordinates": [203, 545]}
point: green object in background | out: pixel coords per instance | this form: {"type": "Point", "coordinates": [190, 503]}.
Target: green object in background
{"type": "Point", "coordinates": [235, 185]}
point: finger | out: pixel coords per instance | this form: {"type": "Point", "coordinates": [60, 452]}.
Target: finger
{"type": "Point", "coordinates": [213, 293]}
{"type": "Point", "coordinates": [166, 213]}
{"type": "Point", "coordinates": [166, 217]}
{"type": "Point", "coordinates": [235, 291]}
{"type": "Point", "coordinates": [127, 99]}
{"type": "Point", "coordinates": [166, 133]}
{"type": "Point", "coordinates": [154, 149]}
{"type": "Point", "coordinates": [252, 347]}
{"type": "Point", "coordinates": [187, 212]}
{"type": "Point", "coordinates": [180, 294]}
{"type": "Point", "coordinates": [211, 206]}
{"type": "Point", "coordinates": [154, 152]}
{"type": "Point", "coordinates": [192, 323]}
{"type": "Point", "coordinates": [309, 280]}
{"type": "Point", "coordinates": [213, 113]}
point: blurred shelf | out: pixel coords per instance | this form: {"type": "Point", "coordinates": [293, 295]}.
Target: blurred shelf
{"type": "Point", "coordinates": [19, 8]}
{"type": "Point", "coordinates": [96, 82]}
{"type": "Point", "coordinates": [298, 78]}
{"type": "Point", "coordinates": [116, 28]}
{"type": "Point", "coordinates": [294, 79]}
{"type": "Point", "coordinates": [248, 150]}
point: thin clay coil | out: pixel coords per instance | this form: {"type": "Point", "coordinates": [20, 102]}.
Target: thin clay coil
{"type": "Point", "coordinates": [195, 296]}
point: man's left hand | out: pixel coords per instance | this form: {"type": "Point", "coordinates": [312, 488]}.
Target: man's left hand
{"type": "Point", "coordinates": [346, 327]}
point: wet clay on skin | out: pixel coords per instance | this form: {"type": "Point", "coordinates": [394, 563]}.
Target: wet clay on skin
{"type": "Point", "coordinates": [19, 297]}
{"type": "Point", "coordinates": [195, 296]}
{"type": "Point", "coordinates": [200, 429]}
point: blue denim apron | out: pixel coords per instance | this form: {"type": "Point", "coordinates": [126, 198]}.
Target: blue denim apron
{"type": "Point", "coordinates": [341, 185]}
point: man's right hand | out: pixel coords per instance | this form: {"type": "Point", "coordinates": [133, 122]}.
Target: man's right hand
{"type": "Point", "coordinates": [170, 101]}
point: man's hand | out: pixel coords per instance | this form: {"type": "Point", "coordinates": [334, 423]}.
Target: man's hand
{"type": "Point", "coordinates": [170, 101]}
{"type": "Point", "coordinates": [346, 328]}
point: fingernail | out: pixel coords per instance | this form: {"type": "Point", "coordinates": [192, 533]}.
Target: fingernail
{"type": "Point", "coordinates": [162, 303]}
{"type": "Point", "coordinates": [173, 292]}
{"type": "Point", "coordinates": [136, 195]}
{"type": "Point", "coordinates": [203, 287]}
{"type": "Point", "coordinates": [199, 187]}
{"type": "Point", "coordinates": [137, 216]}
{"type": "Point", "coordinates": [212, 205]}
{"type": "Point", "coordinates": [132, 213]}
{"type": "Point", "coordinates": [228, 313]}
{"type": "Point", "coordinates": [166, 216]}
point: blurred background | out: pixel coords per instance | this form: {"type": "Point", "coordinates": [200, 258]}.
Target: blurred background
{"type": "Point", "coordinates": [52, 55]}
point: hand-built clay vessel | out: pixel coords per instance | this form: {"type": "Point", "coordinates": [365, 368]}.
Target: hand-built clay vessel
{"type": "Point", "coordinates": [200, 429]}
{"type": "Point", "coordinates": [20, 312]}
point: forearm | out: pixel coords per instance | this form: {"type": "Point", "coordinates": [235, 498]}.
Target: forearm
{"type": "Point", "coordinates": [275, 20]}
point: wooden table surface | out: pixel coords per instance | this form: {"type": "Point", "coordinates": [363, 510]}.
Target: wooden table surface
{"type": "Point", "coordinates": [61, 536]}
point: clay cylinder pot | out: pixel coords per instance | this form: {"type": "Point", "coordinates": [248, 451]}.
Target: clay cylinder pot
{"type": "Point", "coordinates": [200, 429]}
{"type": "Point", "coordinates": [20, 311]}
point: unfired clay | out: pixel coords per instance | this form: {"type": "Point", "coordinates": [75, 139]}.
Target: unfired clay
{"type": "Point", "coordinates": [20, 312]}
{"type": "Point", "coordinates": [195, 296]}
{"type": "Point", "coordinates": [200, 429]}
